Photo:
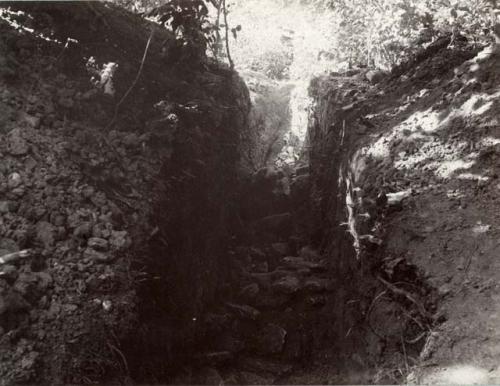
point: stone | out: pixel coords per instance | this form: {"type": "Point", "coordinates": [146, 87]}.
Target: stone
{"type": "Point", "coordinates": [250, 292]}
{"type": "Point", "coordinates": [298, 263]}
{"type": "Point", "coordinates": [256, 254]}
{"type": "Point", "coordinates": [100, 257]}
{"type": "Point", "coordinates": [270, 339]}
{"type": "Point", "coordinates": [26, 285]}
{"type": "Point", "coordinates": [374, 76]}
{"type": "Point", "coordinates": [244, 311]}
{"type": "Point", "coordinates": [9, 273]}
{"type": "Point", "coordinates": [303, 170]}
{"type": "Point", "coordinates": [7, 206]}
{"type": "Point", "coordinates": [45, 233]}
{"type": "Point", "coordinates": [33, 121]}
{"type": "Point", "coordinates": [316, 284]}
{"type": "Point", "coordinates": [98, 244]}
{"type": "Point", "coordinates": [66, 102]}
{"type": "Point", "coordinates": [8, 246]}
{"type": "Point", "coordinates": [84, 230]}
{"type": "Point", "coordinates": [309, 253]}
{"type": "Point", "coordinates": [14, 180]}
{"type": "Point", "coordinates": [286, 285]}
{"type": "Point", "coordinates": [119, 240]}
{"type": "Point", "coordinates": [16, 144]}
{"type": "Point", "coordinates": [44, 280]}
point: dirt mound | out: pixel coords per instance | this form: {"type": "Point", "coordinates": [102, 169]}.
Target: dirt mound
{"type": "Point", "coordinates": [85, 178]}
{"type": "Point", "coordinates": [413, 180]}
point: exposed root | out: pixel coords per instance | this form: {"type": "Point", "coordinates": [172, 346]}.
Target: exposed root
{"type": "Point", "coordinates": [399, 291]}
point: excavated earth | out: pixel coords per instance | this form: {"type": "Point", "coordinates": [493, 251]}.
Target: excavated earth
{"type": "Point", "coordinates": [139, 245]}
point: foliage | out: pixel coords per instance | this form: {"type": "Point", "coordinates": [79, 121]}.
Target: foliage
{"type": "Point", "coordinates": [188, 19]}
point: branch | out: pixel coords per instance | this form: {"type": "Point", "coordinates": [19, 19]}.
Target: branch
{"type": "Point", "coordinates": [133, 83]}
{"type": "Point", "coordinates": [231, 64]}
{"type": "Point", "coordinates": [10, 257]}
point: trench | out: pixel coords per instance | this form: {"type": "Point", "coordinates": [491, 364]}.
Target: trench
{"type": "Point", "coordinates": [291, 300]}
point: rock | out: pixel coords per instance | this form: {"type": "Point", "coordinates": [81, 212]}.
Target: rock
{"type": "Point", "coordinates": [375, 76]}
{"type": "Point", "coordinates": [88, 192]}
{"type": "Point", "coordinates": [309, 253]}
{"type": "Point", "coordinates": [270, 339]}
{"type": "Point", "coordinates": [98, 244]}
{"type": "Point", "coordinates": [317, 300]}
{"type": "Point", "coordinates": [89, 94]}
{"type": "Point", "coordinates": [33, 121]}
{"type": "Point", "coordinates": [250, 292]}
{"type": "Point", "coordinates": [244, 311]}
{"type": "Point", "coordinates": [12, 302]}
{"type": "Point", "coordinates": [317, 285]}
{"type": "Point", "coordinates": [9, 273]}
{"type": "Point", "coordinates": [303, 170]}
{"type": "Point", "coordinates": [299, 263]}
{"type": "Point", "coordinates": [266, 278]}
{"type": "Point", "coordinates": [66, 102]}
{"type": "Point", "coordinates": [44, 280]}
{"type": "Point", "coordinates": [29, 361]}
{"type": "Point", "coordinates": [16, 144]}
{"type": "Point", "coordinates": [7, 206]}
{"type": "Point", "coordinates": [256, 254]}
{"type": "Point", "coordinates": [8, 246]}
{"type": "Point", "coordinates": [45, 233]}
{"type": "Point", "coordinates": [119, 240]}
{"type": "Point", "coordinates": [84, 230]}
{"type": "Point", "coordinates": [100, 257]}
{"type": "Point", "coordinates": [286, 285]}
{"type": "Point", "coordinates": [26, 285]}
{"type": "Point", "coordinates": [14, 180]}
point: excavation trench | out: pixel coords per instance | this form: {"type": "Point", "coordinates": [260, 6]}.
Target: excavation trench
{"type": "Point", "coordinates": [297, 290]}
{"type": "Point", "coordinates": [165, 248]}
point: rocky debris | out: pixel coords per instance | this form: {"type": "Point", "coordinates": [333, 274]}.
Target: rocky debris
{"type": "Point", "coordinates": [46, 233]}
{"type": "Point", "coordinates": [316, 284]}
{"type": "Point", "coordinates": [119, 240]}
{"type": "Point", "coordinates": [287, 285]}
{"type": "Point", "coordinates": [299, 263]}
{"type": "Point", "coordinates": [375, 76]}
{"type": "Point", "coordinates": [98, 244]}
{"type": "Point", "coordinates": [96, 256]}
{"type": "Point", "coordinates": [16, 144]}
